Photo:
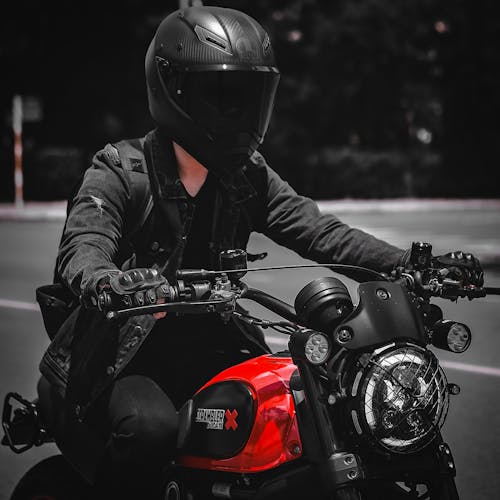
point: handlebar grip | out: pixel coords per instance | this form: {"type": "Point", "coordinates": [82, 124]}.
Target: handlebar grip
{"type": "Point", "coordinates": [148, 298]}
{"type": "Point", "coordinates": [108, 300]}
{"type": "Point", "coordinates": [490, 290]}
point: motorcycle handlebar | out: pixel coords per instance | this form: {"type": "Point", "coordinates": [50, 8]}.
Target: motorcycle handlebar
{"type": "Point", "coordinates": [221, 301]}
{"type": "Point", "coordinates": [433, 283]}
{"type": "Point", "coordinates": [195, 295]}
{"type": "Point", "coordinates": [195, 307]}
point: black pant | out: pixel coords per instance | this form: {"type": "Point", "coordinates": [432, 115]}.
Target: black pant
{"type": "Point", "coordinates": [137, 417]}
{"type": "Point", "coordinates": [138, 422]}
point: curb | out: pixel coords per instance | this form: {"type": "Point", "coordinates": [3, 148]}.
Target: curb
{"type": "Point", "coordinates": [33, 211]}
{"type": "Point", "coordinates": [407, 205]}
{"type": "Point", "coordinates": [40, 211]}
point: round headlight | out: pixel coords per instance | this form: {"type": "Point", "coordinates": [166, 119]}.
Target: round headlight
{"type": "Point", "coordinates": [317, 348]}
{"type": "Point", "coordinates": [402, 398]}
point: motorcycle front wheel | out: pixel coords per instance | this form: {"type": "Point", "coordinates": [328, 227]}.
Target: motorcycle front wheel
{"type": "Point", "coordinates": [51, 479]}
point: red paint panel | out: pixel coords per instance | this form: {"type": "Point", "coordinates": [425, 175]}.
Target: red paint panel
{"type": "Point", "coordinates": [275, 437]}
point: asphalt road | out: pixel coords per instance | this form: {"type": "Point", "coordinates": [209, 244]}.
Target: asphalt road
{"type": "Point", "coordinates": [473, 426]}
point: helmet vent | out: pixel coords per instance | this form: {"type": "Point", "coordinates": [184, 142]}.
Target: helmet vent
{"type": "Point", "coordinates": [266, 44]}
{"type": "Point", "coordinates": [206, 36]}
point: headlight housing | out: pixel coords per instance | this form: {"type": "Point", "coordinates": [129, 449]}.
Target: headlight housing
{"type": "Point", "coordinates": [401, 398]}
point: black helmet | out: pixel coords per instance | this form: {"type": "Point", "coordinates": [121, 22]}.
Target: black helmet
{"type": "Point", "coordinates": [211, 79]}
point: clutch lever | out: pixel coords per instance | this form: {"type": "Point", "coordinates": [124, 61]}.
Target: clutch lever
{"type": "Point", "coordinates": [223, 305]}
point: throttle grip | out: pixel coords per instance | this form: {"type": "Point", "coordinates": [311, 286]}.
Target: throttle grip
{"type": "Point", "coordinates": [110, 300]}
{"type": "Point", "coordinates": [135, 280]}
{"type": "Point", "coordinates": [133, 288]}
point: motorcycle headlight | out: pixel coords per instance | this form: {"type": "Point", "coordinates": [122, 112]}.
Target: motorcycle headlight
{"type": "Point", "coordinates": [401, 398]}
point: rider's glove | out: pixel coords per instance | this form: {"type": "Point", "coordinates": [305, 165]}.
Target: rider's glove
{"type": "Point", "coordinates": [458, 266]}
{"type": "Point", "coordinates": [95, 286]}
{"type": "Point", "coordinates": [136, 287]}
{"type": "Point", "coordinates": [463, 267]}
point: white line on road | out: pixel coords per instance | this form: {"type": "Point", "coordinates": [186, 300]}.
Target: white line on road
{"type": "Point", "coordinates": [452, 365]}
{"type": "Point", "coordinates": [17, 304]}
{"type": "Point", "coordinates": [465, 367]}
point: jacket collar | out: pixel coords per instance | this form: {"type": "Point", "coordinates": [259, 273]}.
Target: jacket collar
{"type": "Point", "coordinates": [237, 186]}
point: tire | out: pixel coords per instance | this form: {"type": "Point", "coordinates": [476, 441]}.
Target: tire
{"type": "Point", "coordinates": [51, 479]}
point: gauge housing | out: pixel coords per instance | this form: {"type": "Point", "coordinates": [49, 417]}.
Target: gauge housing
{"type": "Point", "coordinates": [323, 303]}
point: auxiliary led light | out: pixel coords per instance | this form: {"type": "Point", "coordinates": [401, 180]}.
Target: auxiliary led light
{"type": "Point", "coordinates": [452, 336]}
{"type": "Point", "coordinates": [459, 338]}
{"type": "Point", "coordinates": [317, 348]}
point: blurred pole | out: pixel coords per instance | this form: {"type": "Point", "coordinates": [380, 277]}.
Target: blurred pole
{"type": "Point", "coordinates": [184, 4]}
{"type": "Point", "coordinates": [17, 126]}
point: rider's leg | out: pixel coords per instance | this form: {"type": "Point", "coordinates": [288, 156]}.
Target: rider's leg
{"type": "Point", "coordinates": [142, 432]}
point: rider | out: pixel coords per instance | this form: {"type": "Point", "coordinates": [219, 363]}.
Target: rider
{"type": "Point", "coordinates": [211, 80]}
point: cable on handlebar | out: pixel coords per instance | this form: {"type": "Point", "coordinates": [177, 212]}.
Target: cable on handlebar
{"type": "Point", "coordinates": [356, 273]}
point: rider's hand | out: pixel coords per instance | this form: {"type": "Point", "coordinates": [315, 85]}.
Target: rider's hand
{"type": "Point", "coordinates": [160, 315]}
{"type": "Point", "coordinates": [98, 283]}
{"type": "Point", "coordinates": [463, 267]}
{"type": "Point", "coordinates": [136, 287]}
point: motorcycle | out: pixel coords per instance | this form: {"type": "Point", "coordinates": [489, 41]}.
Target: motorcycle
{"type": "Point", "coordinates": [352, 410]}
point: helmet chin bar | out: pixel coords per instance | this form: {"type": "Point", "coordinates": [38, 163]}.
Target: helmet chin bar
{"type": "Point", "coordinates": [218, 158]}
{"type": "Point", "coordinates": [222, 157]}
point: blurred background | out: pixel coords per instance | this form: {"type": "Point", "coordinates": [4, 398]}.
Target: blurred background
{"type": "Point", "coordinates": [378, 98]}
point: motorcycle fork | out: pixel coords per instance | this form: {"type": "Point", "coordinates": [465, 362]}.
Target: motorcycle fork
{"type": "Point", "coordinates": [338, 469]}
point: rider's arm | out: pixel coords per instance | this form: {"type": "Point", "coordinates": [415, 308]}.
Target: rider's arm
{"type": "Point", "coordinates": [95, 223]}
{"type": "Point", "coordinates": [295, 221]}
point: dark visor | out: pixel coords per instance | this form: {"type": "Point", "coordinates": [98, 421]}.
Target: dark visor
{"type": "Point", "coordinates": [224, 102]}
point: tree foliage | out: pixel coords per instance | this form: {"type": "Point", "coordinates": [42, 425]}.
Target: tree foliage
{"type": "Point", "coordinates": [377, 97]}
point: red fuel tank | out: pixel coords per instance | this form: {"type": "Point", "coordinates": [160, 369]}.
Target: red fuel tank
{"type": "Point", "coordinates": [243, 420]}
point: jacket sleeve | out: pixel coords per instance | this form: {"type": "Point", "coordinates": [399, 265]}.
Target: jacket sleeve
{"type": "Point", "coordinates": [94, 225]}
{"type": "Point", "coordinates": [295, 222]}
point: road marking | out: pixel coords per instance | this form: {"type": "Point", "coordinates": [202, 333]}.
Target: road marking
{"type": "Point", "coordinates": [465, 367]}
{"type": "Point", "coordinates": [452, 365]}
{"type": "Point", "coordinates": [17, 304]}
{"type": "Point", "coordinates": [278, 345]}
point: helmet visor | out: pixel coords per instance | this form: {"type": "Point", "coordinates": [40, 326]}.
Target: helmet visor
{"type": "Point", "coordinates": [227, 102]}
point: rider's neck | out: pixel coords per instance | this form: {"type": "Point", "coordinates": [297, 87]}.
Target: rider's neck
{"type": "Point", "coordinates": [191, 172]}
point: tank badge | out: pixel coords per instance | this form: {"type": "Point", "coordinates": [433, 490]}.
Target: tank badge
{"type": "Point", "coordinates": [231, 420]}
{"type": "Point", "coordinates": [214, 418]}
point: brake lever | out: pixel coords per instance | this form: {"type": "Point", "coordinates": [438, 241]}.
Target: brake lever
{"type": "Point", "coordinates": [200, 307]}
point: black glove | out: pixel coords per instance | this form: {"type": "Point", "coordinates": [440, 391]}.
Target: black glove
{"type": "Point", "coordinates": [463, 267]}
{"type": "Point", "coordinates": [135, 287]}
{"type": "Point", "coordinates": [94, 287]}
